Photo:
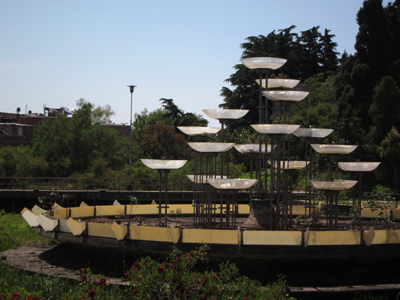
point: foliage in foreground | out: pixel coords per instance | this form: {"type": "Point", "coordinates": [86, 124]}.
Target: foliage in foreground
{"type": "Point", "coordinates": [16, 284]}
{"type": "Point", "coordinates": [175, 278]}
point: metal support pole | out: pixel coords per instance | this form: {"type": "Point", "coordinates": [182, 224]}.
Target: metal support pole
{"type": "Point", "coordinates": [131, 89]}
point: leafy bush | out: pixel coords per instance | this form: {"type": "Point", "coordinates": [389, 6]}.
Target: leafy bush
{"type": "Point", "coordinates": [178, 278]}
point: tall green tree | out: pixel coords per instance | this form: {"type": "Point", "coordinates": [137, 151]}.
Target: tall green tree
{"type": "Point", "coordinates": [99, 114]}
{"type": "Point", "coordinates": [169, 114]}
{"type": "Point", "coordinates": [368, 83]}
{"type": "Point", "coordinates": [179, 117]}
{"type": "Point", "coordinates": [329, 55]}
{"type": "Point", "coordinates": [308, 54]}
{"type": "Point", "coordinates": [73, 145]}
{"type": "Point", "coordinates": [311, 52]}
{"type": "Point", "coordinates": [373, 38]}
{"type": "Point", "coordinates": [384, 109]}
{"type": "Point", "coordinates": [162, 141]}
{"type": "Point", "coordinates": [363, 87]}
{"type": "Point", "coordinates": [389, 151]}
{"type": "Point", "coordinates": [146, 118]}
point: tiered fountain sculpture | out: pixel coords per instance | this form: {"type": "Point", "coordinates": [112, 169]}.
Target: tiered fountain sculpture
{"type": "Point", "coordinates": [311, 135]}
{"type": "Point", "coordinates": [360, 168]}
{"type": "Point", "coordinates": [230, 186]}
{"type": "Point", "coordinates": [205, 165]}
{"type": "Point", "coordinates": [271, 205]}
{"type": "Point", "coordinates": [163, 167]}
{"type": "Point", "coordinates": [332, 187]}
{"type": "Point", "coordinates": [206, 168]}
{"type": "Point", "coordinates": [277, 194]}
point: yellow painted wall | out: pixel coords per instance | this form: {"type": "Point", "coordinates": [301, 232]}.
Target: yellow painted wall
{"type": "Point", "coordinates": [184, 208]}
{"type": "Point", "coordinates": [244, 209]}
{"type": "Point", "coordinates": [157, 234]}
{"type": "Point", "coordinates": [61, 213]}
{"type": "Point", "coordinates": [366, 212]}
{"type": "Point", "coordinates": [299, 210]}
{"type": "Point", "coordinates": [324, 238]}
{"type": "Point", "coordinates": [396, 213]}
{"type": "Point", "coordinates": [81, 212]}
{"type": "Point", "coordinates": [386, 237]}
{"type": "Point", "coordinates": [100, 229]}
{"type": "Point", "coordinates": [264, 237]}
{"type": "Point", "coordinates": [76, 227]}
{"type": "Point", "coordinates": [210, 236]}
{"type": "Point", "coordinates": [142, 209]}
{"type": "Point", "coordinates": [110, 210]}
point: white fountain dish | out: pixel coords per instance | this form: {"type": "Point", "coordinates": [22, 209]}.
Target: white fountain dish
{"type": "Point", "coordinates": [226, 114]}
{"type": "Point", "coordinates": [163, 164]}
{"type": "Point", "coordinates": [285, 95]}
{"type": "Point", "coordinates": [275, 128]}
{"type": "Point", "coordinates": [333, 148]}
{"type": "Point", "coordinates": [292, 164]}
{"type": "Point", "coordinates": [210, 147]}
{"type": "Point", "coordinates": [271, 63]}
{"type": "Point", "coordinates": [252, 148]}
{"type": "Point", "coordinates": [335, 185]}
{"type": "Point", "coordinates": [358, 166]}
{"type": "Point", "coordinates": [199, 130]}
{"type": "Point", "coordinates": [203, 178]}
{"type": "Point", "coordinates": [279, 83]}
{"type": "Point", "coordinates": [232, 183]}
{"type": "Point", "coordinates": [312, 132]}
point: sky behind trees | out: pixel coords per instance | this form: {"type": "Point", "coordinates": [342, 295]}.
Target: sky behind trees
{"type": "Point", "coordinates": [54, 53]}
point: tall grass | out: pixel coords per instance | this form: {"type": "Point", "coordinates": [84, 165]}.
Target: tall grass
{"type": "Point", "coordinates": [15, 232]}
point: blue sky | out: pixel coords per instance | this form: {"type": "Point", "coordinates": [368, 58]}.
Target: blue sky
{"type": "Point", "coordinates": [55, 52]}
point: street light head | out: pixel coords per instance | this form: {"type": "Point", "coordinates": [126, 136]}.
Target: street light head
{"type": "Point", "coordinates": [131, 88]}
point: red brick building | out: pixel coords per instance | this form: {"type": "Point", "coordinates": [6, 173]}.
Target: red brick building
{"type": "Point", "coordinates": [17, 129]}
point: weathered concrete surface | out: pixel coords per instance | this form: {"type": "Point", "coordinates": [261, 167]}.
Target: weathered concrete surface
{"type": "Point", "coordinates": [33, 259]}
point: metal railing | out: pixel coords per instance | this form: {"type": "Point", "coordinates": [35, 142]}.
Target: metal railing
{"type": "Point", "coordinates": [116, 184]}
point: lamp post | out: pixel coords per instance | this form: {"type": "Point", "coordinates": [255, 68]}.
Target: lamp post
{"type": "Point", "coordinates": [131, 88]}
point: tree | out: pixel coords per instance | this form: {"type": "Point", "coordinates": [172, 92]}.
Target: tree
{"type": "Point", "coordinates": [389, 151]}
{"type": "Point", "coordinates": [170, 114]}
{"type": "Point", "coordinates": [99, 114]}
{"type": "Point", "coordinates": [329, 56]}
{"type": "Point", "coordinates": [384, 109]}
{"type": "Point", "coordinates": [73, 145]}
{"type": "Point", "coordinates": [145, 118]}
{"type": "Point", "coordinates": [179, 117]}
{"type": "Point", "coordinates": [19, 162]}
{"type": "Point", "coordinates": [373, 38]}
{"type": "Point", "coordinates": [311, 52]}
{"type": "Point", "coordinates": [318, 109]}
{"type": "Point", "coordinates": [172, 110]}
{"type": "Point", "coordinates": [51, 143]}
{"type": "Point", "coordinates": [162, 141]}
{"type": "Point", "coordinates": [364, 92]}
{"type": "Point", "coordinates": [307, 55]}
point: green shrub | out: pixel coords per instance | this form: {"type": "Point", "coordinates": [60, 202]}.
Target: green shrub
{"type": "Point", "coordinates": [178, 278]}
